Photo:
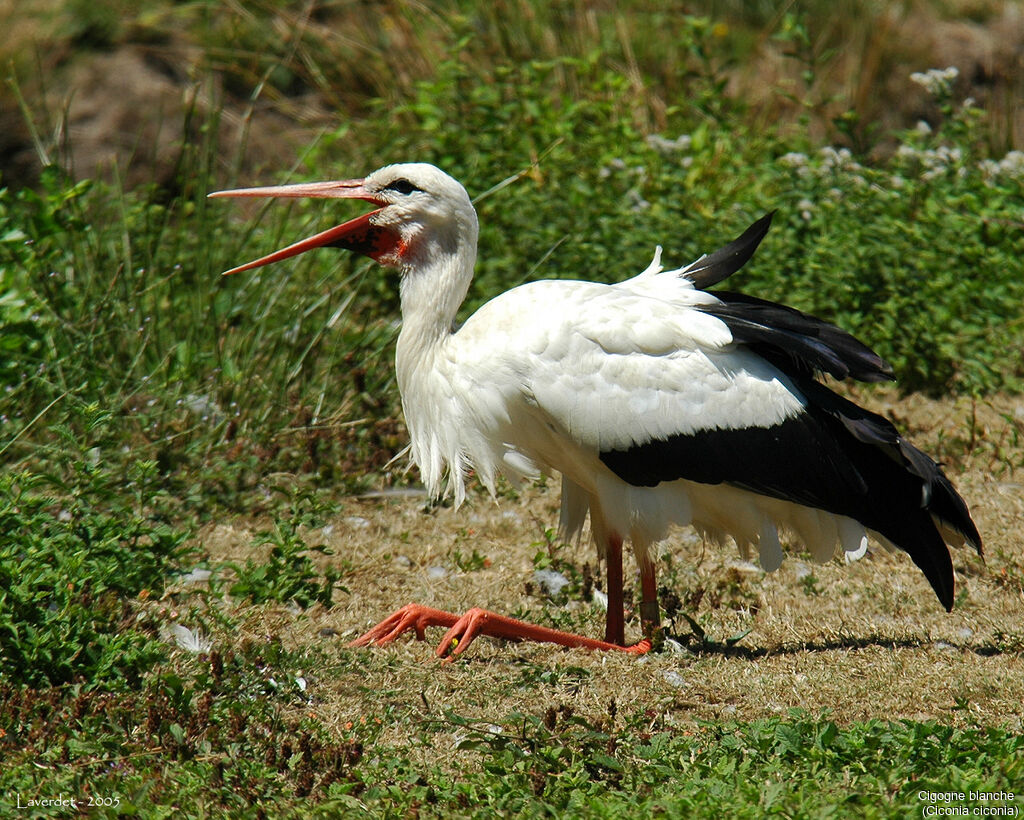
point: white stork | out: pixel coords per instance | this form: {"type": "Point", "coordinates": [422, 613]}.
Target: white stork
{"type": "Point", "coordinates": [658, 402]}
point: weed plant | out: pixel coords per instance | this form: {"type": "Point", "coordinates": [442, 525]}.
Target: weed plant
{"type": "Point", "coordinates": [81, 545]}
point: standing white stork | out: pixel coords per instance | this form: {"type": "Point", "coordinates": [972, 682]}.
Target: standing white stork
{"type": "Point", "coordinates": [658, 402]}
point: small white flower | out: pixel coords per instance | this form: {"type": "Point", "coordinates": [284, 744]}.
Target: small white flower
{"type": "Point", "coordinates": [936, 81]}
{"type": "Point", "coordinates": [669, 146]}
{"type": "Point", "coordinates": [922, 127]}
{"type": "Point", "coordinates": [1013, 163]}
{"type": "Point", "coordinates": [1009, 167]}
{"type": "Point", "coordinates": [639, 203]}
{"type": "Point", "coordinates": [837, 159]}
{"type": "Point", "coordinates": [794, 159]}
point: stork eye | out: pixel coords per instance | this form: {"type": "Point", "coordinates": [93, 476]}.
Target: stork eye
{"type": "Point", "coordinates": [402, 186]}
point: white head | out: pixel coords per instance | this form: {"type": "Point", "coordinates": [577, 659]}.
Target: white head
{"type": "Point", "coordinates": [429, 212]}
{"type": "Point", "coordinates": [424, 218]}
{"type": "Point", "coordinates": [424, 224]}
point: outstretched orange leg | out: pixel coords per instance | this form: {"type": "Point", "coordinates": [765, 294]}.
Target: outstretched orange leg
{"type": "Point", "coordinates": [464, 629]}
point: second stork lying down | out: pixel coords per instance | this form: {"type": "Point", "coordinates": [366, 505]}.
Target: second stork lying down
{"type": "Point", "coordinates": [658, 402]}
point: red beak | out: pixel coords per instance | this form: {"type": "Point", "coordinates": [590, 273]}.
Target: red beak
{"type": "Point", "coordinates": [359, 234]}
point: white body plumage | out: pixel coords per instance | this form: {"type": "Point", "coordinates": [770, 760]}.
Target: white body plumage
{"type": "Point", "coordinates": [548, 375]}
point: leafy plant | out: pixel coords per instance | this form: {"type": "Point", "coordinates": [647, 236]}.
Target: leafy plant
{"type": "Point", "coordinates": [472, 562]}
{"type": "Point", "coordinates": [288, 574]}
{"type": "Point", "coordinates": [76, 549]}
{"type": "Point", "coordinates": [222, 730]}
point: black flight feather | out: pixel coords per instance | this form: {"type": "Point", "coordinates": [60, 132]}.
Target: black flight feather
{"type": "Point", "coordinates": [797, 342]}
{"type": "Point", "coordinates": [723, 263]}
{"type": "Point", "coordinates": [789, 339]}
{"type": "Point", "coordinates": [938, 495]}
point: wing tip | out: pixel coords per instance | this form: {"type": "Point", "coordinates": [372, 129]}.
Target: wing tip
{"type": "Point", "coordinates": [721, 264]}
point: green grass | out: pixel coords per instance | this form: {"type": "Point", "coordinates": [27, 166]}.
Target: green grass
{"type": "Point", "coordinates": [216, 756]}
{"type": "Point", "coordinates": [143, 398]}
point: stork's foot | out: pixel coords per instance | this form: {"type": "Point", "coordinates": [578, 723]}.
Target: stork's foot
{"type": "Point", "coordinates": [462, 631]}
{"type": "Point", "coordinates": [410, 616]}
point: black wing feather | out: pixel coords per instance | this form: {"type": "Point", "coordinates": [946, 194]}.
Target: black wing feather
{"type": "Point", "coordinates": [724, 262]}
{"type": "Point", "coordinates": [789, 339]}
{"type": "Point", "coordinates": [797, 342]}
{"type": "Point", "coordinates": [938, 495]}
{"type": "Point", "coordinates": [833, 456]}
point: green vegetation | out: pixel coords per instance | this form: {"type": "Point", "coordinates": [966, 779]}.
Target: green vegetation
{"type": "Point", "coordinates": [78, 546]}
{"type": "Point", "coordinates": [222, 757]}
{"type": "Point", "coordinates": [288, 574]}
{"type": "Point", "coordinates": [144, 398]}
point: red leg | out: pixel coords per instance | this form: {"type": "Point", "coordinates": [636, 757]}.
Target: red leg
{"type": "Point", "coordinates": [650, 618]}
{"type": "Point", "coordinates": [464, 630]}
{"type": "Point", "coordinates": [614, 627]}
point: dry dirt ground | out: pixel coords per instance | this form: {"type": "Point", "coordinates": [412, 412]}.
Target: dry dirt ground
{"type": "Point", "coordinates": [859, 641]}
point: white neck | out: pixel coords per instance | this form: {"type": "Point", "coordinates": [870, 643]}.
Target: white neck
{"type": "Point", "coordinates": [432, 292]}
{"type": "Point", "coordinates": [435, 280]}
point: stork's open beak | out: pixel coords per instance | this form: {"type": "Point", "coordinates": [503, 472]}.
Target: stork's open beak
{"type": "Point", "coordinates": [359, 234]}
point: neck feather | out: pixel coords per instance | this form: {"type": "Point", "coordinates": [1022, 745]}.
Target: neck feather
{"type": "Point", "coordinates": [435, 279]}
{"type": "Point", "coordinates": [431, 296]}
